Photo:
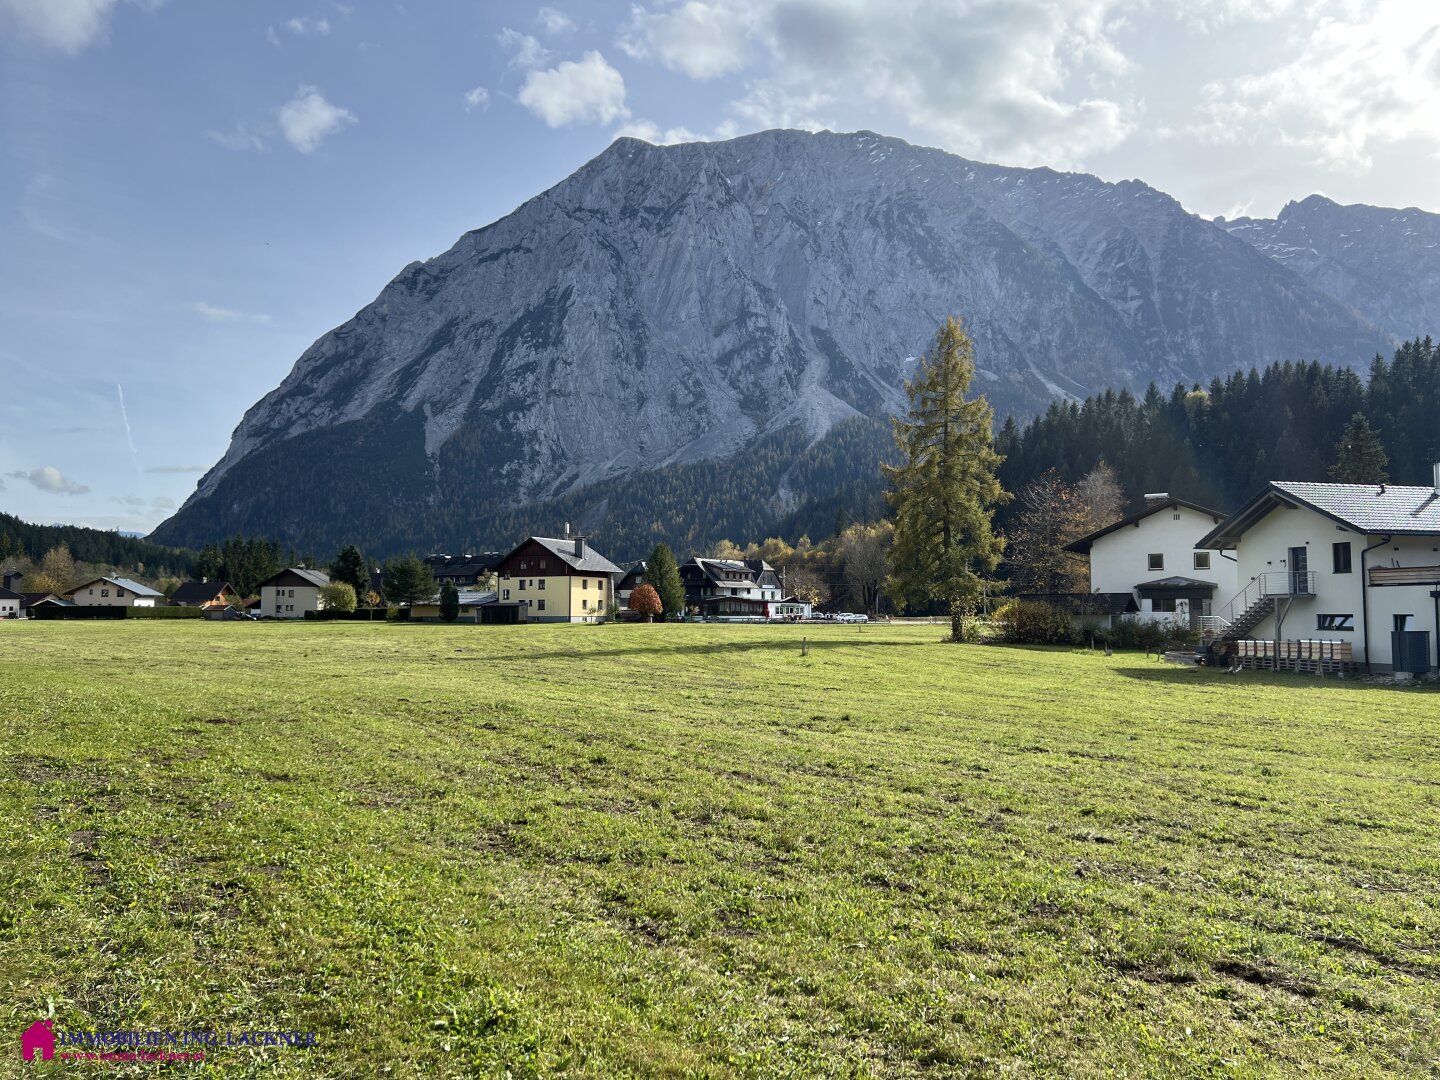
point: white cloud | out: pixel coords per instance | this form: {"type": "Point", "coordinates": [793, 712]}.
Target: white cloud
{"type": "Point", "coordinates": [177, 469]}
{"type": "Point", "coordinates": [554, 22]}
{"type": "Point", "coordinates": [587, 91]}
{"type": "Point", "coordinates": [66, 25]}
{"type": "Point", "coordinates": [308, 24]}
{"type": "Point", "coordinates": [651, 133]}
{"type": "Point", "coordinates": [308, 119]}
{"type": "Point", "coordinates": [226, 315]}
{"type": "Point", "coordinates": [242, 137]}
{"type": "Point", "coordinates": [1354, 83]}
{"type": "Point", "coordinates": [525, 51]}
{"type": "Point", "coordinates": [50, 479]}
{"type": "Point", "coordinates": [479, 98]}
{"type": "Point", "coordinates": [701, 39]}
{"type": "Point", "coordinates": [984, 77]}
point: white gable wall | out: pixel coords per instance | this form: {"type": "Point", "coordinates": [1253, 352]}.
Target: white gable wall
{"type": "Point", "coordinates": [1265, 549]}
{"type": "Point", "coordinates": [1120, 560]}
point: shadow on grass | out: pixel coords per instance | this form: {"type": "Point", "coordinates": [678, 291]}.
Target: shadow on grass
{"type": "Point", "coordinates": [1171, 673]}
{"type": "Point", "coordinates": [710, 649]}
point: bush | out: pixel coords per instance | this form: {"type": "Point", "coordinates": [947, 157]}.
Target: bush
{"type": "Point", "coordinates": [1032, 622]}
{"type": "Point", "coordinates": [338, 596]}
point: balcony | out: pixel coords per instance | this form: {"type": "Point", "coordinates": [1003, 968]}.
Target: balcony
{"type": "Point", "coordinates": [1405, 575]}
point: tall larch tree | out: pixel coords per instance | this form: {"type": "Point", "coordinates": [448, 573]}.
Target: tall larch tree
{"type": "Point", "coordinates": [945, 490]}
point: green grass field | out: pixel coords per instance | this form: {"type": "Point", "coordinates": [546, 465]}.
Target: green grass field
{"type": "Point", "coordinates": [690, 851]}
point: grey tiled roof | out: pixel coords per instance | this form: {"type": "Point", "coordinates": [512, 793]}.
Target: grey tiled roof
{"type": "Point", "coordinates": [592, 562]}
{"type": "Point", "coordinates": [1365, 508]}
{"type": "Point", "coordinates": [123, 583]}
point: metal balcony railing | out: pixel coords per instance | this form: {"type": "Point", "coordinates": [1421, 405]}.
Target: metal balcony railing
{"type": "Point", "coordinates": [1276, 585]}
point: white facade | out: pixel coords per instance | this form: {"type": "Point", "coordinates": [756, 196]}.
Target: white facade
{"type": "Point", "coordinates": [289, 601]}
{"type": "Point", "coordinates": [9, 608]}
{"type": "Point", "coordinates": [113, 592]}
{"type": "Point", "coordinates": [1339, 606]}
{"type": "Point", "coordinates": [1160, 545]}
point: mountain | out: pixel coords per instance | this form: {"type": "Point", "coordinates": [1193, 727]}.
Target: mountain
{"type": "Point", "coordinates": [1384, 263]}
{"type": "Point", "coordinates": [681, 342]}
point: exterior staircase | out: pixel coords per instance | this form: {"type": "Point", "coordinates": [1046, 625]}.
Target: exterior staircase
{"type": "Point", "coordinates": [1257, 602]}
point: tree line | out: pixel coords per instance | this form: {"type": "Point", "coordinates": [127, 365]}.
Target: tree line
{"type": "Point", "coordinates": [1218, 445]}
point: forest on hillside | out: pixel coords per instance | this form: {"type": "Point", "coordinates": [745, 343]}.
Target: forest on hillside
{"type": "Point", "coordinates": [1218, 445]}
{"type": "Point", "coordinates": [22, 540]}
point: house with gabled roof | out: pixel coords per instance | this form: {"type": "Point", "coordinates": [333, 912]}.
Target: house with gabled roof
{"type": "Point", "coordinates": [204, 594]}
{"type": "Point", "coordinates": [1353, 563]}
{"type": "Point", "coordinates": [115, 592]}
{"type": "Point", "coordinates": [558, 580]}
{"type": "Point", "coordinates": [1150, 564]}
{"type": "Point", "coordinates": [292, 592]}
{"type": "Point", "coordinates": [728, 589]}
{"type": "Point", "coordinates": [10, 601]}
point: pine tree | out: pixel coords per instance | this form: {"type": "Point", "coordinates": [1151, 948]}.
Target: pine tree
{"type": "Point", "coordinates": [662, 572]}
{"type": "Point", "coordinates": [945, 491]}
{"type": "Point", "coordinates": [1359, 457]}
{"type": "Point", "coordinates": [349, 567]}
{"type": "Point", "coordinates": [449, 602]}
{"type": "Point", "coordinates": [408, 581]}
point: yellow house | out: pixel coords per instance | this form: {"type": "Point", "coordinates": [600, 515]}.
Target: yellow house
{"type": "Point", "coordinates": [558, 580]}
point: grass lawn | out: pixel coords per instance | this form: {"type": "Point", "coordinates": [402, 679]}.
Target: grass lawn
{"type": "Point", "coordinates": [690, 851]}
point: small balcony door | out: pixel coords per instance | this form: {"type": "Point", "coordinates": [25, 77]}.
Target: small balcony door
{"type": "Point", "coordinates": [1299, 571]}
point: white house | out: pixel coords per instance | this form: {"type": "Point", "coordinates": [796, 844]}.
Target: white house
{"type": "Point", "coordinates": [1155, 559]}
{"type": "Point", "coordinates": [292, 592]}
{"type": "Point", "coordinates": [9, 604]}
{"type": "Point", "coordinates": [115, 592]}
{"type": "Point", "coordinates": [1335, 562]}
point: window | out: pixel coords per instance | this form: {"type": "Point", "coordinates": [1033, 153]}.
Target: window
{"type": "Point", "coordinates": [1157, 561]}
{"type": "Point", "coordinates": [119, 592]}
{"type": "Point", "coordinates": [585, 583]}
{"type": "Point", "coordinates": [540, 584]}
{"type": "Point", "coordinates": [1202, 560]}
{"type": "Point", "coordinates": [540, 605]}
{"type": "Point", "coordinates": [1167, 605]}
{"type": "Point", "coordinates": [1340, 552]}
{"type": "Point", "coordinates": [104, 592]}
{"type": "Point", "coordinates": [1335, 622]}
{"type": "Point", "coordinates": [504, 594]}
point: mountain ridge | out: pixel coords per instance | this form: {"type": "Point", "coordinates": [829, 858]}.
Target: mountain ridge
{"type": "Point", "coordinates": [666, 306]}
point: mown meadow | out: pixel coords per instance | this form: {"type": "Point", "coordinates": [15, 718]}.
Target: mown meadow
{"type": "Point", "coordinates": [693, 851]}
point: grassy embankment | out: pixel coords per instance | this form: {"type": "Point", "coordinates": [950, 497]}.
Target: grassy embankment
{"type": "Point", "coordinates": [652, 850]}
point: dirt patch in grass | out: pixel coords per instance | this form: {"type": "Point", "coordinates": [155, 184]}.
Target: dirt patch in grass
{"type": "Point", "coordinates": [1267, 976]}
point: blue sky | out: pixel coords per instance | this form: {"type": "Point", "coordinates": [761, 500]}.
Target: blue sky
{"type": "Point", "coordinates": [191, 192]}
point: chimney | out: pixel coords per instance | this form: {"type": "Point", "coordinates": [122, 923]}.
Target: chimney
{"type": "Point", "coordinates": [579, 544]}
{"type": "Point", "coordinates": [1435, 479]}
{"type": "Point", "coordinates": [1156, 498]}
{"type": "Point", "coordinates": [567, 530]}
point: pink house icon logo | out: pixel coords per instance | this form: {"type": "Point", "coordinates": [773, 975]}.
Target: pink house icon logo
{"type": "Point", "coordinates": [38, 1036]}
